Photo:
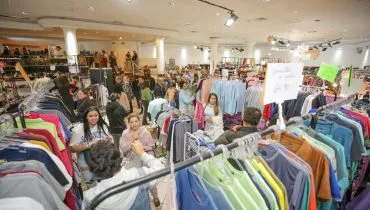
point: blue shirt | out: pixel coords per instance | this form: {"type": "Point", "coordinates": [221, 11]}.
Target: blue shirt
{"type": "Point", "coordinates": [185, 99]}
{"type": "Point", "coordinates": [190, 194]}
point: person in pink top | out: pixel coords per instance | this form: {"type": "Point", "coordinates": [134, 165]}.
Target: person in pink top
{"type": "Point", "coordinates": [133, 133]}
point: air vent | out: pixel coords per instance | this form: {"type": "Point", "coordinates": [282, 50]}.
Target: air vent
{"type": "Point", "coordinates": [194, 31]}
{"type": "Point", "coordinates": [261, 19]}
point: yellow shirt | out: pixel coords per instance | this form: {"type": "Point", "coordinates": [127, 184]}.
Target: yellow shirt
{"type": "Point", "coordinates": [40, 143]}
{"type": "Point", "coordinates": [279, 193]}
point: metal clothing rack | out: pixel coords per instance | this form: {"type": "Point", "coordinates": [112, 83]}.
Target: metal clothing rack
{"type": "Point", "coordinates": [335, 105]}
{"type": "Point", "coordinates": [181, 165]}
{"type": "Point", "coordinates": [248, 140]}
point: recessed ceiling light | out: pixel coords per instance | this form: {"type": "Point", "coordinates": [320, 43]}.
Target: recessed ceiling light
{"type": "Point", "coordinates": [97, 32]}
{"type": "Point", "coordinates": [217, 14]}
{"type": "Point", "coordinates": [120, 37]}
{"type": "Point", "coordinates": [91, 8]}
{"type": "Point", "coordinates": [25, 13]}
{"type": "Point", "coordinates": [130, 1]}
{"type": "Point", "coordinates": [187, 24]}
{"type": "Point", "coordinates": [172, 2]}
{"type": "Point", "coordinates": [85, 33]}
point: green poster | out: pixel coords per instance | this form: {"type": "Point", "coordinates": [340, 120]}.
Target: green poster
{"type": "Point", "coordinates": [328, 72]}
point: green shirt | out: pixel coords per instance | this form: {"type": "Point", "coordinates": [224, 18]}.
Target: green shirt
{"type": "Point", "coordinates": [40, 124]}
{"type": "Point", "coordinates": [146, 94]}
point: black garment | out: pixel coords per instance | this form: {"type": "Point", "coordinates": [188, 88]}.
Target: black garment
{"type": "Point", "coordinates": [82, 106]}
{"type": "Point", "coordinates": [145, 105]}
{"type": "Point", "coordinates": [67, 99]}
{"type": "Point", "coordinates": [116, 114]}
{"type": "Point", "coordinates": [229, 136]}
{"type": "Point", "coordinates": [151, 82]}
{"type": "Point", "coordinates": [117, 88]}
{"type": "Point", "coordinates": [135, 86]}
{"type": "Point", "coordinates": [134, 57]}
{"type": "Point", "coordinates": [159, 91]}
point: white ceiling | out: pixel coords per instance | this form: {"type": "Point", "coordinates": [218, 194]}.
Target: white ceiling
{"type": "Point", "coordinates": [194, 22]}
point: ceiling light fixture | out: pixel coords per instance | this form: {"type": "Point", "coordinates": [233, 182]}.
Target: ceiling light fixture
{"type": "Point", "coordinates": [315, 47]}
{"type": "Point", "coordinates": [85, 33]}
{"type": "Point", "coordinates": [120, 37]}
{"type": "Point", "coordinates": [217, 14]}
{"type": "Point", "coordinates": [195, 47]}
{"type": "Point", "coordinates": [281, 42]}
{"type": "Point", "coordinates": [233, 17]}
{"type": "Point", "coordinates": [25, 13]}
{"type": "Point", "coordinates": [171, 2]}
{"type": "Point", "coordinates": [91, 8]}
{"type": "Point", "coordinates": [336, 42]}
{"type": "Point", "coordinates": [231, 20]}
{"type": "Point", "coordinates": [97, 32]}
{"type": "Point", "coordinates": [288, 44]}
{"type": "Point", "coordinates": [324, 49]}
{"type": "Point", "coordinates": [130, 1]}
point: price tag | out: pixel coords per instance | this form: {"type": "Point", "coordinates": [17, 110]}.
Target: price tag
{"type": "Point", "coordinates": [282, 82]}
{"type": "Point", "coordinates": [328, 72]}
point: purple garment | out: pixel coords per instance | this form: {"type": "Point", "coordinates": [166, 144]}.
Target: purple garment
{"type": "Point", "coordinates": [360, 202]}
{"type": "Point", "coordinates": [232, 120]}
{"type": "Point", "coordinates": [361, 175]}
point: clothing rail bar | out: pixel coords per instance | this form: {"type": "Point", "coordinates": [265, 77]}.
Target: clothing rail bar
{"type": "Point", "coordinates": [166, 171]}
{"type": "Point", "coordinates": [334, 105]}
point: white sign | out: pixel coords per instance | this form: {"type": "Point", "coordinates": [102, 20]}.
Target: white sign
{"type": "Point", "coordinates": [282, 82]}
{"type": "Point", "coordinates": [356, 86]}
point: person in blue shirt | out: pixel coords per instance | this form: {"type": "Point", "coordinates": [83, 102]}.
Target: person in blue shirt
{"type": "Point", "coordinates": [185, 99]}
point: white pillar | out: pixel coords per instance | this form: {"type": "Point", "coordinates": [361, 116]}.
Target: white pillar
{"type": "Point", "coordinates": [138, 51]}
{"type": "Point", "coordinates": [70, 40]}
{"type": "Point", "coordinates": [213, 61]}
{"type": "Point", "coordinates": [160, 55]}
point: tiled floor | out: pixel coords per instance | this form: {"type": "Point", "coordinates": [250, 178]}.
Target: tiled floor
{"type": "Point", "coordinates": [162, 194]}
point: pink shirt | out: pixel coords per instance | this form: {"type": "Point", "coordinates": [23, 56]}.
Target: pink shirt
{"type": "Point", "coordinates": [199, 114]}
{"type": "Point", "coordinates": [206, 88]}
{"type": "Point", "coordinates": [144, 137]}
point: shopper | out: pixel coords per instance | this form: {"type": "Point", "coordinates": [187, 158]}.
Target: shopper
{"type": "Point", "coordinates": [96, 60]}
{"type": "Point", "coordinates": [128, 90]}
{"type": "Point", "coordinates": [92, 129]}
{"type": "Point", "coordinates": [62, 85]}
{"type": "Point", "coordinates": [16, 53]}
{"type": "Point", "coordinates": [135, 132]}
{"type": "Point", "coordinates": [171, 94]}
{"type": "Point", "coordinates": [112, 60]}
{"type": "Point", "coordinates": [149, 78]}
{"type": "Point", "coordinates": [159, 91]}
{"type": "Point", "coordinates": [135, 59]}
{"type": "Point", "coordinates": [136, 91]}
{"type": "Point", "coordinates": [116, 114]}
{"type": "Point", "coordinates": [146, 97]}
{"type": "Point", "coordinates": [251, 119]}
{"type": "Point", "coordinates": [213, 117]}
{"type": "Point", "coordinates": [105, 162]}
{"type": "Point", "coordinates": [128, 62]}
{"type": "Point", "coordinates": [104, 59]}
{"type": "Point", "coordinates": [83, 103]}
{"type": "Point", "coordinates": [117, 88]}
{"type": "Point", "coordinates": [185, 99]}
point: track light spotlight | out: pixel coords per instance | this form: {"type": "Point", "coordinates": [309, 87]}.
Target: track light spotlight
{"type": "Point", "coordinates": [231, 20]}
{"type": "Point", "coordinates": [315, 47]}
{"type": "Point", "coordinates": [281, 42]}
{"type": "Point", "coordinates": [329, 44]}
{"type": "Point", "coordinates": [201, 49]}
{"type": "Point", "coordinates": [336, 42]}
{"type": "Point", "coordinates": [324, 49]}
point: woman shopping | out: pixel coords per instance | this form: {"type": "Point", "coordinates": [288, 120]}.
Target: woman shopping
{"type": "Point", "coordinates": [213, 117]}
{"type": "Point", "coordinates": [83, 103]}
{"type": "Point", "coordinates": [116, 114]}
{"type": "Point", "coordinates": [135, 132]}
{"type": "Point", "coordinates": [146, 97]}
{"type": "Point", "coordinates": [92, 129]}
{"type": "Point", "coordinates": [185, 99]}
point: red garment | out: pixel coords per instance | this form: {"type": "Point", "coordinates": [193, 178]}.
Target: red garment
{"type": "Point", "coordinates": [166, 124]}
{"type": "Point", "coordinates": [62, 155]}
{"type": "Point", "coordinates": [199, 114]}
{"type": "Point", "coordinates": [266, 112]}
{"type": "Point", "coordinates": [51, 118]}
{"type": "Point", "coordinates": [70, 200]}
{"type": "Point", "coordinates": [32, 136]}
{"type": "Point", "coordinates": [363, 118]}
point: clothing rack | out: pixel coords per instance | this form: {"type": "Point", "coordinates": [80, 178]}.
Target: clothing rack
{"type": "Point", "coordinates": [335, 105]}
{"type": "Point", "coordinates": [246, 140]}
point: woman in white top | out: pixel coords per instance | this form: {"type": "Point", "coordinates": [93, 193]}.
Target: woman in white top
{"type": "Point", "coordinates": [84, 135]}
{"type": "Point", "coordinates": [213, 117]}
{"type": "Point", "coordinates": [105, 161]}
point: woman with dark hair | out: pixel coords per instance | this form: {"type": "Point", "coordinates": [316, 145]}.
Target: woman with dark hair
{"type": "Point", "coordinates": [105, 162]}
{"type": "Point", "coordinates": [146, 97]}
{"type": "Point", "coordinates": [83, 103]}
{"type": "Point", "coordinates": [62, 84]}
{"type": "Point", "coordinates": [135, 132]}
{"type": "Point", "coordinates": [116, 114]}
{"type": "Point", "coordinates": [92, 129]}
{"type": "Point", "coordinates": [213, 117]}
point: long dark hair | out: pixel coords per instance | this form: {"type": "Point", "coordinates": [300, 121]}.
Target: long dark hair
{"type": "Point", "coordinates": [216, 108]}
{"type": "Point", "coordinates": [100, 124]}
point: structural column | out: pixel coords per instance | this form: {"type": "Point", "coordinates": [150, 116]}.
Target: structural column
{"type": "Point", "coordinates": [70, 40]}
{"type": "Point", "coordinates": [160, 55]}
{"type": "Point", "coordinates": [250, 49]}
{"type": "Point", "coordinates": [213, 61]}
